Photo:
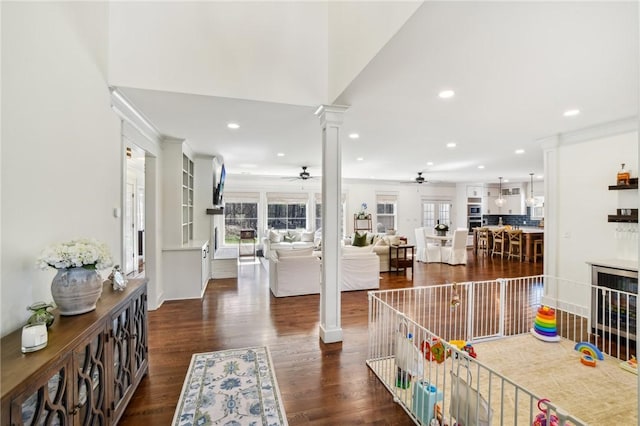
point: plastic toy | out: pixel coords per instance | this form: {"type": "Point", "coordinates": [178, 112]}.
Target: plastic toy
{"type": "Point", "coordinates": [544, 326]}
{"type": "Point", "coordinates": [434, 351]}
{"type": "Point", "coordinates": [588, 360]}
{"type": "Point", "coordinates": [541, 418]}
{"type": "Point", "coordinates": [589, 349]}
{"type": "Point", "coordinates": [469, 349]}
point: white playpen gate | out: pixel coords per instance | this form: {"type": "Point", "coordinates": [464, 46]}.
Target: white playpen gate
{"type": "Point", "coordinates": [402, 320]}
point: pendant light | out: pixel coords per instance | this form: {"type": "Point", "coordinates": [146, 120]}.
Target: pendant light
{"type": "Point", "coordinates": [531, 201]}
{"type": "Point", "coordinates": [500, 202]}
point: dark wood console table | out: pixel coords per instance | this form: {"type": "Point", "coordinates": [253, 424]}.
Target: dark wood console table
{"type": "Point", "coordinates": [89, 370]}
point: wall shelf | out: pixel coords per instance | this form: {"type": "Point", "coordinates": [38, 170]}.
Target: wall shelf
{"type": "Point", "coordinates": [630, 217]}
{"type": "Point", "coordinates": [633, 184]}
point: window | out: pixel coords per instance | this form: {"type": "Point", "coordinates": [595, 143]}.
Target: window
{"type": "Point", "coordinates": [318, 212]}
{"type": "Point", "coordinates": [386, 211]}
{"type": "Point", "coordinates": [436, 211]}
{"type": "Point", "coordinates": [240, 212]}
{"type": "Point", "coordinates": [286, 211]}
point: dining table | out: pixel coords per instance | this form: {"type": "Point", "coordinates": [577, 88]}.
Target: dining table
{"type": "Point", "coordinates": [442, 238]}
{"type": "Point", "coordinates": [530, 234]}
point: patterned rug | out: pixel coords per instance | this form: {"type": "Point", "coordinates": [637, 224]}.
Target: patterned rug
{"type": "Point", "coordinates": [234, 387]}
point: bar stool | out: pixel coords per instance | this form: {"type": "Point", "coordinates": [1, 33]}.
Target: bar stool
{"type": "Point", "coordinates": [483, 240]}
{"type": "Point", "coordinates": [538, 249]}
{"type": "Point", "coordinates": [515, 243]}
{"type": "Point", "coordinates": [498, 242]}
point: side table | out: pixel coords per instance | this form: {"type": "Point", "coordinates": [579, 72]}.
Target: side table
{"type": "Point", "coordinates": [403, 259]}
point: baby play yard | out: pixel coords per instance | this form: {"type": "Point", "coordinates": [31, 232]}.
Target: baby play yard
{"type": "Point", "coordinates": [522, 351]}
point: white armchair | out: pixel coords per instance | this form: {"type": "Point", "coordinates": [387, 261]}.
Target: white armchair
{"type": "Point", "coordinates": [360, 271]}
{"type": "Point", "coordinates": [456, 254]}
{"type": "Point", "coordinates": [294, 273]}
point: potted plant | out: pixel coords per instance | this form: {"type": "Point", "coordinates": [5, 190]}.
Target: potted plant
{"type": "Point", "coordinates": [77, 285]}
{"type": "Point", "coordinates": [441, 229]}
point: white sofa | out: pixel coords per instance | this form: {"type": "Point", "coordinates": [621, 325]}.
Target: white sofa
{"type": "Point", "coordinates": [283, 239]}
{"type": "Point", "coordinates": [378, 244]}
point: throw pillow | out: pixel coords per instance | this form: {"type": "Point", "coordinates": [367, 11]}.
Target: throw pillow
{"type": "Point", "coordinates": [285, 253]}
{"type": "Point", "coordinates": [382, 242]}
{"type": "Point", "coordinates": [274, 237]}
{"type": "Point", "coordinates": [307, 237]}
{"type": "Point", "coordinates": [359, 240]}
{"type": "Point", "coordinates": [289, 238]}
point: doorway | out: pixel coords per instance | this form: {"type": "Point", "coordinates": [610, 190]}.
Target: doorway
{"type": "Point", "coordinates": [134, 211]}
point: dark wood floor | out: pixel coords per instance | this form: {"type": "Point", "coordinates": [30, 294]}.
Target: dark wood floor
{"type": "Point", "coordinates": [320, 384]}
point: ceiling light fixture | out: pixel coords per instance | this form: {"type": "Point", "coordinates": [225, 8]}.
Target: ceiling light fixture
{"type": "Point", "coordinates": [500, 202]}
{"type": "Point", "coordinates": [354, 135]}
{"type": "Point", "coordinates": [451, 145]}
{"type": "Point", "coordinates": [446, 94]}
{"type": "Point", "coordinates": [429, 163]}
{"type": "Point", "coordinates": [481, 166]}
{"type": "Point", "coordinates": [571, 112]}
{"type": "Point", "coordinates": [359, 159]}
{"type": "Point", "coordinates": [280, 154]}
{"type": "Point", "coordinates": [519, 151]}
{"type": "Point", "coordinates": [531, 201]}
{"type": "Point", "coordinates": [233, 125]}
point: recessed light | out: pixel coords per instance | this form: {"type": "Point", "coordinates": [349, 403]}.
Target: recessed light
{"type": "Point", "coordinates": [280, 154]}
{"type": "Point", "coordinates": [540, 176]}
{"type": "Point", "coordinates": [446, 94]}
{"type": "Point", "coordinates": [451, 145]}
{"type": "Point", "coordinates": [519, 151]}
{"type": "Point", "coordinates": [354, 135]}
{"type": "Point", "coordinates": [429, 163]}
{"type": "Point", "coordinates": [571, 112]}
{"type": "Point", "coordinates": [359, 159]}
{"type": "Point", "coordinates": [481, 166]}
{"type": "Point", "coordinates": [233, 125]}
{"type": "Point", "coordinates": [505, 180]}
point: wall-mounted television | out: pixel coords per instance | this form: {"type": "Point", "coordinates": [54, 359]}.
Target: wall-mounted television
{"type": "Point", "coordinates": [218, 186]}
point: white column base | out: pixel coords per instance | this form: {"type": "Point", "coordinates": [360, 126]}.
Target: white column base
{"type": "Point", "coordinates": [330, 336]}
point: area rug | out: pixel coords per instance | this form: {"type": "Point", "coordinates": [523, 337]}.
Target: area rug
{"type": "Point", "coordinates": [233, 387]}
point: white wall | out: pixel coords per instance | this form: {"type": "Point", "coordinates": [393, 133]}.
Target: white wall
{"type": "Point", "coordinates": [62, 154]}
{"type": "Point", "coordinates": [211, 48]}
{"type": "Point", "coordinates": [356, 32]}
{"type": "Point", "coordinates": [585, 171]}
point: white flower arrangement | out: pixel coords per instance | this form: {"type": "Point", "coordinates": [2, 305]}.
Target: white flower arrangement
{"type": "Point", "coordinates": [82, 253]}
{"type": "Point", "coordinates": [441, 227]}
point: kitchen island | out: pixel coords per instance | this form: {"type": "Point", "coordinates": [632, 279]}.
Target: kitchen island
{"type": "Point", "coordinates": [529, 233]}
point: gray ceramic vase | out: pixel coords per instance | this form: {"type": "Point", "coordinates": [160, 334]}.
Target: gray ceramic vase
{"type": "Point", "coordinates": [76, 290]}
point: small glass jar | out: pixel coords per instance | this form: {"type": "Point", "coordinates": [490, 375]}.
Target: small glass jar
{"type": "Point", "coordinates": [41, 314]}
{"type": "Point", "coordinates": [623, 177]}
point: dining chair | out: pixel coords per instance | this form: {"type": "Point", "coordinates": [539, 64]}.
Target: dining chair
{"type": "Point", "coordinates": [456, 254]}
{"type": "Point", "coordinates": [421, 249]}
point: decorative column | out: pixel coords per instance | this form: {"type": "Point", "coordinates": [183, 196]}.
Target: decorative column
{"type": "Point", "coordinates": [551, 201]}
{"type": "Point", "coordinates": [330, 290]}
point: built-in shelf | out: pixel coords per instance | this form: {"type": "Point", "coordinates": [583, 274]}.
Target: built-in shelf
{"type": "Point", "coordinates": [633, 184]}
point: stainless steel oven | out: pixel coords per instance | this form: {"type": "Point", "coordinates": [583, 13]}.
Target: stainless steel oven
{"type": "Point", "coordinates": [474, 222]}
{"type": "Point", "coordinates": [474, 210]}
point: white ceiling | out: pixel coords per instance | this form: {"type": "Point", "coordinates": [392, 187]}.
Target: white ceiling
{"type": "Point", "coordinates": [515, 68]}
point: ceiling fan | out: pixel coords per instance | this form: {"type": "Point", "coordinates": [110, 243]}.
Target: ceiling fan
{"type": "Point", "coordinates": [303, 175]}
{"type": "Point", "coordinates": [418, 179]}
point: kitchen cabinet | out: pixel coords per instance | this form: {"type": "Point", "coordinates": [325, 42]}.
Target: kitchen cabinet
{"type": "Point", "coordinates": [474, 191]}
{"type": "Point", "coordinates": [76, 379]}
{"type": "Point", "coordinates": [513, 195]}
